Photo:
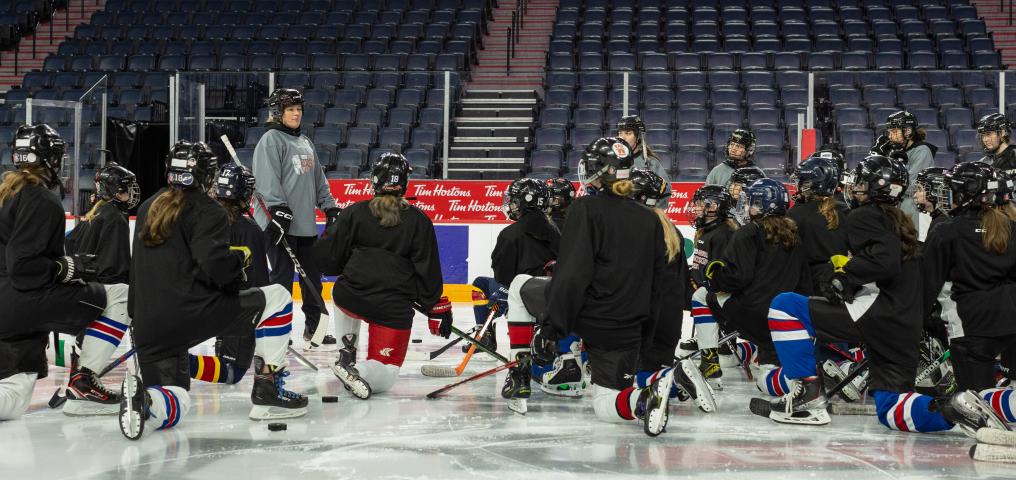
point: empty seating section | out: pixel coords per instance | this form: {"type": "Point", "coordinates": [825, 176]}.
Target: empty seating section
{"type": "Point", "coordinates": [698, 69]}
{"type": "Point", "coordinates": [373, 68]}
{"type": "Point", "coordinates": [20, 18]}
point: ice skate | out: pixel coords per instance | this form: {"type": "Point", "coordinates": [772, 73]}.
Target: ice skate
{"type": "Point", "coordinates": [969, 411]}
{"type": "Point", "coordinates": [270, 398]}
{"type": "Point", "coordinates": [347, 354]}
{"type": "Point", "coordinates": [516, 385]}
{"type": "Point", "coordinates": [687, 347]}
{"type": "Point", "coordinates": [134, 404]}
{"type": "Point", "coordinates": [709, 365]}
{"type": "Point", "coordinates": [805, 404]}
{"type": "Point", "coordinates": [488, 340]}
{"type": "Point", "coordinates": [834, 374]}
{"type": "Point", "coordinates": [351, 380]}
{"type": "Point", "coordinates": [690, 379]}
{"type": "Point", "coordinates": [567, 378]}
{"type": "Point", "coordinates": [86, 395]}
{"type": "Point", "coordinates": [328, 343]}
{"type": "Point", "coordinates": [651, 406]}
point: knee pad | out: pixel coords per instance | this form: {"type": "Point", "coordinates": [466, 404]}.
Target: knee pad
{"type": "Point", "coordinates": [515, 290]}
{"type": "Point", "coordinates": [276, 298]}
{"type": "Point", "coordinates": [16, 395]}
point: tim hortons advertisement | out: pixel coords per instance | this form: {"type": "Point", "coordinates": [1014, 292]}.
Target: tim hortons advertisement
{"type": "Point", "coordinates": [477, 201]}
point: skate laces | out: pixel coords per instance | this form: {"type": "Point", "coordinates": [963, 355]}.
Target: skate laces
{"type": "Point", "coordinates": [280, 384]}
{"type": "Point", "coordinates": [93, 383]}
{"type": "Point", "coordinates": [788, 400]}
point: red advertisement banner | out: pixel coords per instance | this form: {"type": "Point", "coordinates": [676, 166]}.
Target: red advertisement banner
{"type": "Point", "coordinates": [478, 201]}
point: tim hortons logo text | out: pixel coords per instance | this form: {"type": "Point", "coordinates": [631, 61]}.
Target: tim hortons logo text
{"type": "Point", "coordinates": [496, 191]}
{"type": "Point", "coordinates": [438, 190]}
{"type": "Point", "coordinates": [472, 206]}
{"type": "Point", "coordinates": [358, 189]}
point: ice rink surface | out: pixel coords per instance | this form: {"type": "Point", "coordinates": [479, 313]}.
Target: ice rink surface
{"type": "Point", "coordinates": [467, 434]}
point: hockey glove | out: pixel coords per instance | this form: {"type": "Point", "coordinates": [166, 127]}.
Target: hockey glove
{"type": "Point", "coordinates": [278, 223]}
{"type": "Point", "coordinates": [331, 216]}
{"type": "Point", "coordinates": [844, 289]}
{"type": "Point", "coordinates": [544, 345]}
{"type": "Point", "coordinates": [79, 266]}
{"type": "Point", "coordinates": [711, 268]}
{"type": "Point", "coordinates": [882, 145]}
{"type": "Point", "coordinates": [499, 300]}
{"type": "Point", "coordinates": [244, 253]}
{"type": "Point", "coordinates": [439, 319]}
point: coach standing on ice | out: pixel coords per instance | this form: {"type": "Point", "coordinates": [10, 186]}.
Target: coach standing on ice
{"type": "Point", "coordinates": [293, 184]}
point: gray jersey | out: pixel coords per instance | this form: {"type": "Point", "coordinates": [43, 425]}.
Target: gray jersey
{"type": "Point", "coordinates": [720, 174]}
{"type": "Point", "coordinates": [918, 159]}
{"type": "Point", "coordinates": [288, 173]}
{"type": "Point", "coordinates": [654, 166]}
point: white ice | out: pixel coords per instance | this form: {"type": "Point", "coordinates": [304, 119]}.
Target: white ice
{"type": "Point", "coordinates": [467, 434]}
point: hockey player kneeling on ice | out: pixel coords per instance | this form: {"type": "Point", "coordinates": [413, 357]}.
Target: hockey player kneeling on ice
{"type": "Point", "coordinates": [972, 255]}
{"type": "Point", "coordinates": [764, 258]}
{"type": "Point", "coordinates": [874, 299]}
{"type": "Point", "coordinates": [657, 354]}
{"type": "Point", "coordinates": [185, 289]}
{"type": "Point", "coordinates": [43, 290]}
{"type": "Point", "coordinates": [234, 351]}
{"type": "Point", "coordinates": [605, 289]}
{"type": "Point", "coordinates": [386, 252]}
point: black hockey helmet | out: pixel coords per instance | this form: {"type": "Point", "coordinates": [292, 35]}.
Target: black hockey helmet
{"type": "Point", "coordinates": [236, 183]}
{"type": "Point", "coordinates": [906, 122]}
{"type": "Point", "coordinates": [933, 183]}
{"type": "Point", "coordinates": [706, 198]}
{"type": "Point", "coordinates": [40, 145]}
{"type": "Point", "coordinates": [990, 123]}
{"type": "Point", "coordinates": [742, 177]}
{"type": "Point", "coordinates": [632, 123]}
{"type": "Point", "coordinates": [608, 160]}
{"type": "Point", "coordinates": [112, 180]}
{"type": "Point", "coordinates": [763, 198]}
{"type": "Point", "coordinates": [818, 175]}
{"type": "Point", "coordinates": [743, 137]}
{"type": "Point", "coordinates": [523, 196]}
{"type": "Point", "coordinates": [650, 188]}
{"type": "Point", "coordinates": [191, 165]}
{"type": "Point", "coordinates": [832, 154]}
{"type": "Point", "coordinates": [281, 99]}
{"type": "Point", "coordinates": [884, 180]}
{"type": "Point", "coordinates": [562, 192]}
{"type": "Point", "coordinates": [390, 174]}
{"type": "Point", "coordinates": [973, 184]}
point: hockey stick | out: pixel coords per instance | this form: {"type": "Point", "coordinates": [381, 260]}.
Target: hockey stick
{"type": "Point", "coordinates": [994, 436]}
{"type": "Point", "coordinates": [492, 371]}
{"type": "Point", "coordinates": [438, 352]}
{"type": "Point", "coordinates": [319, 332]}
{"type": "Point", "coordinates": [57, 399]}
{"type": "Point", "coordinates": [724, 339]}
{"type": "Point", "coordinates": [932, 367]}
{"type": "Point", "coordinates": [987, 452]}
{"type": "Point", "coordinates": [762, 407]}
{"type": "Point", "coordinates": [445, 371]}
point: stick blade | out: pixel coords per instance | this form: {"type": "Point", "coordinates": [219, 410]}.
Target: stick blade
{"type": "Point", "coordinates": [993, 453]}
{"type": "Point", "coordinates": [57, 400]}
{"type": "Point", "coordinates": [994, 436]}
{"type": "Point", "coordinates": [438, 371]}
{"type": "Point", "coordinates": [838, 408]}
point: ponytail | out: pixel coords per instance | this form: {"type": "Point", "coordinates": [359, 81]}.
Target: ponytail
{"type": "Point", "coordinates": [903, 227]}
{"type": "Point", "coordinates": [162, 216]}
{"type": "Point", "coordinates": [829, 209]}
{"type": "Point", "coordinates": [387, 209]}
{"type": "Point", "coordinates": [779, 230]}
{"type": "Point", "coordinates": [94, 211]}
{"type": "Point", "coordinates": [622, 188]}
{"type": "Point", "coordinates": [15, 180]}
{"type": "Point", "coordinates": [670, 236]}
{"type": "Point", "coordinates": [997, 230]}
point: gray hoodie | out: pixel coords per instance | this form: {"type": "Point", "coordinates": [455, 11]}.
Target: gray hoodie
{"type": "Point", "coordinates": [654, 166]}
{"type": "Point", "coordinates": [919, 157]}
{"type": "Point", "coordinates": [288, 173]}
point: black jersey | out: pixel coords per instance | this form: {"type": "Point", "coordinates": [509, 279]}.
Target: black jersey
{"type": "Point", "coordinates": [709, 246]}
{"type": "Point", "coordinates": [525, 247]}
{"type": "Point", "coordinates": [819, 242]}
{"type": "Point", "coordinates": [31, 240]}
{"type": "Point", "coordinates": [385, 270]}
{"type": "Point", "coordinates": [107, 236]}
{"type": "Point", "coordinates": [558, 218]}
{"type": "Point", "coordinates": [937, 218]}
{"type": "Point", "coordinates": [1004, 161]}
{"type": "Point", "coordinates": [983, 283]}
{"type": "Point", "coordinates": [189, 281]}
{"type": "Point", "coordinates": [606, 285]}
{"type": "Point", "coordinates": [754, 270]}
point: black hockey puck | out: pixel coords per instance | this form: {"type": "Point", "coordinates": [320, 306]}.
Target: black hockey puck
{"type": "Point", "coordinates": [330, 399]}
{"type": "Point", "coordinates": [417, 340]}
{"type": "Point", "coordinates": [275, 427]}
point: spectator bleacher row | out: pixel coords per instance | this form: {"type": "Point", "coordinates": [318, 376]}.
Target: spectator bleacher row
{"type": "Point", "coordinates": [20, 18]}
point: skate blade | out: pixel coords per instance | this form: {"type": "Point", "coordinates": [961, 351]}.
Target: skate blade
{"type": "Point", "coordinates": [358, 388]}
{"type": "Point", "coordinates": [837, 408]}
{"type": "Point", "coordinates": [848, 392]}
{"type": "Point", "coordinates": [86, 408]}
{"type": "Point", "coordinates": [518, 405]}
{"type": "Point", "coordinates": [993, 453]}
{"type": "Point", "coordinates": [804, 417]}
{"type": "Point", "coordinates": [995, 436]}
{"type": "Point", "coordinates": [704, 398]}
{"type": "Point", "coordinates": [656, 423]}
{"type": "Point", "coordinates": [267, 412]}
{"type": "Point", "coordinates": [438, 371]}
{"type": "Point", "coordinates": [311, 348]}
{"type": "Point", "coordinates": [132, 424]}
